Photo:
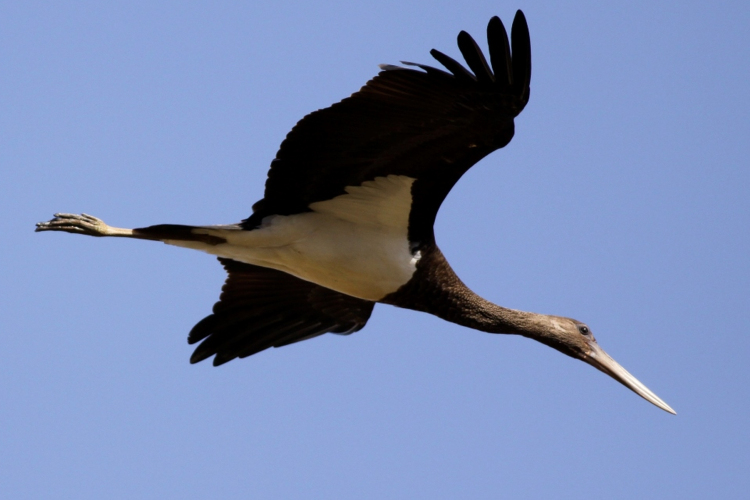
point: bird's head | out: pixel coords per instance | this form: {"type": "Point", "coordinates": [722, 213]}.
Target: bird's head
{"type": "Point", "coordinates": [575, 339]}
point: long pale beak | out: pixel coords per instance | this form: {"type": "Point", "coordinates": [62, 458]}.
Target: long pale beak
{"type": "Point", "coordinates": [602, 361]}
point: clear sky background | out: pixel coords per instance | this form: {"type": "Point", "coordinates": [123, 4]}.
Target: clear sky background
{"type": "Point", "coordinates": [623, 201]}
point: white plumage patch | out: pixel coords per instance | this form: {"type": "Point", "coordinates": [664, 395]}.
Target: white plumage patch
{"type": "Point", "coordinates": [356, 243]}
{"type": "Point", "coordinates": [385, 201]}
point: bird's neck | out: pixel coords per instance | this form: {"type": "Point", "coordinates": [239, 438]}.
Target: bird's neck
{"type": "Point", "coordinates": [437, 290]}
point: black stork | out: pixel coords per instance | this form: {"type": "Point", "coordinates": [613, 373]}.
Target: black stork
{"type": "Point", "coordinates": [348, 211]}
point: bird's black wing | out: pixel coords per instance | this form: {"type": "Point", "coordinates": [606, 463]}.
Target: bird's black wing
{"type": "Point", "coordinates": [261, 308]}
{"type": "Point", "coordinates": [423, 123]}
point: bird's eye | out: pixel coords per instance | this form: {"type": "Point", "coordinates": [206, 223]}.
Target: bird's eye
{"type": "Point", "coordinates": [584, 330]}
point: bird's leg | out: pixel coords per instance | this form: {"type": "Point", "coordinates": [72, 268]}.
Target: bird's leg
{"type": "Point", "coordinates": [83, 224]}
{"type": "Point", "coordinates": [91, 226]}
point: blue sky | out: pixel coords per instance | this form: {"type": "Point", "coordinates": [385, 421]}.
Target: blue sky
{"type": "Point", "coordinates": [622, 201]}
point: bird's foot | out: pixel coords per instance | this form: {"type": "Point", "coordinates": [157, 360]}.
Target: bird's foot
{"type": "Point", "coordinates": [76, 224]}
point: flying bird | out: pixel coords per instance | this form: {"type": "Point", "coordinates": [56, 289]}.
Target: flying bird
{"type": "Point", "coordinates": [346, 220]}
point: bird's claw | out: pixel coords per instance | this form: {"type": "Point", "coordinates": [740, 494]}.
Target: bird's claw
{"type": "Point", "coordinates": [74, 223]}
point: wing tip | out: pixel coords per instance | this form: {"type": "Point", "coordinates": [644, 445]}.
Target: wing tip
{"type": "Point", "coordinates": [510, 69]}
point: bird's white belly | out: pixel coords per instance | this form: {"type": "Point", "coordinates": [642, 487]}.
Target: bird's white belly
{"type": "Point", "coordinates": [355, 243]}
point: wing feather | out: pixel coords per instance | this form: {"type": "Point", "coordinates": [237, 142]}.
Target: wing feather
{"type": "Point", "coordinates": [475, 59]}
{"type": "Point", "coordinates": [423, 123]}
{"type": "Point", "coordinates": [261, 308]}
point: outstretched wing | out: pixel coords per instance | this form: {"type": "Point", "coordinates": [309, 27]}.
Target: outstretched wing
{"type": "Point", "coordinates": [423, 123]}
{"type": "Point", "coordinates": [261, 308]}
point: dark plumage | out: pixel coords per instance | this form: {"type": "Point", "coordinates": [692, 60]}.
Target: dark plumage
{"type": "Point", "coordinates": [348, 212]}
{"type": "Point", "coordinates": [261, 308]}
{"type": "Point", "coordinates": [432, 126]}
